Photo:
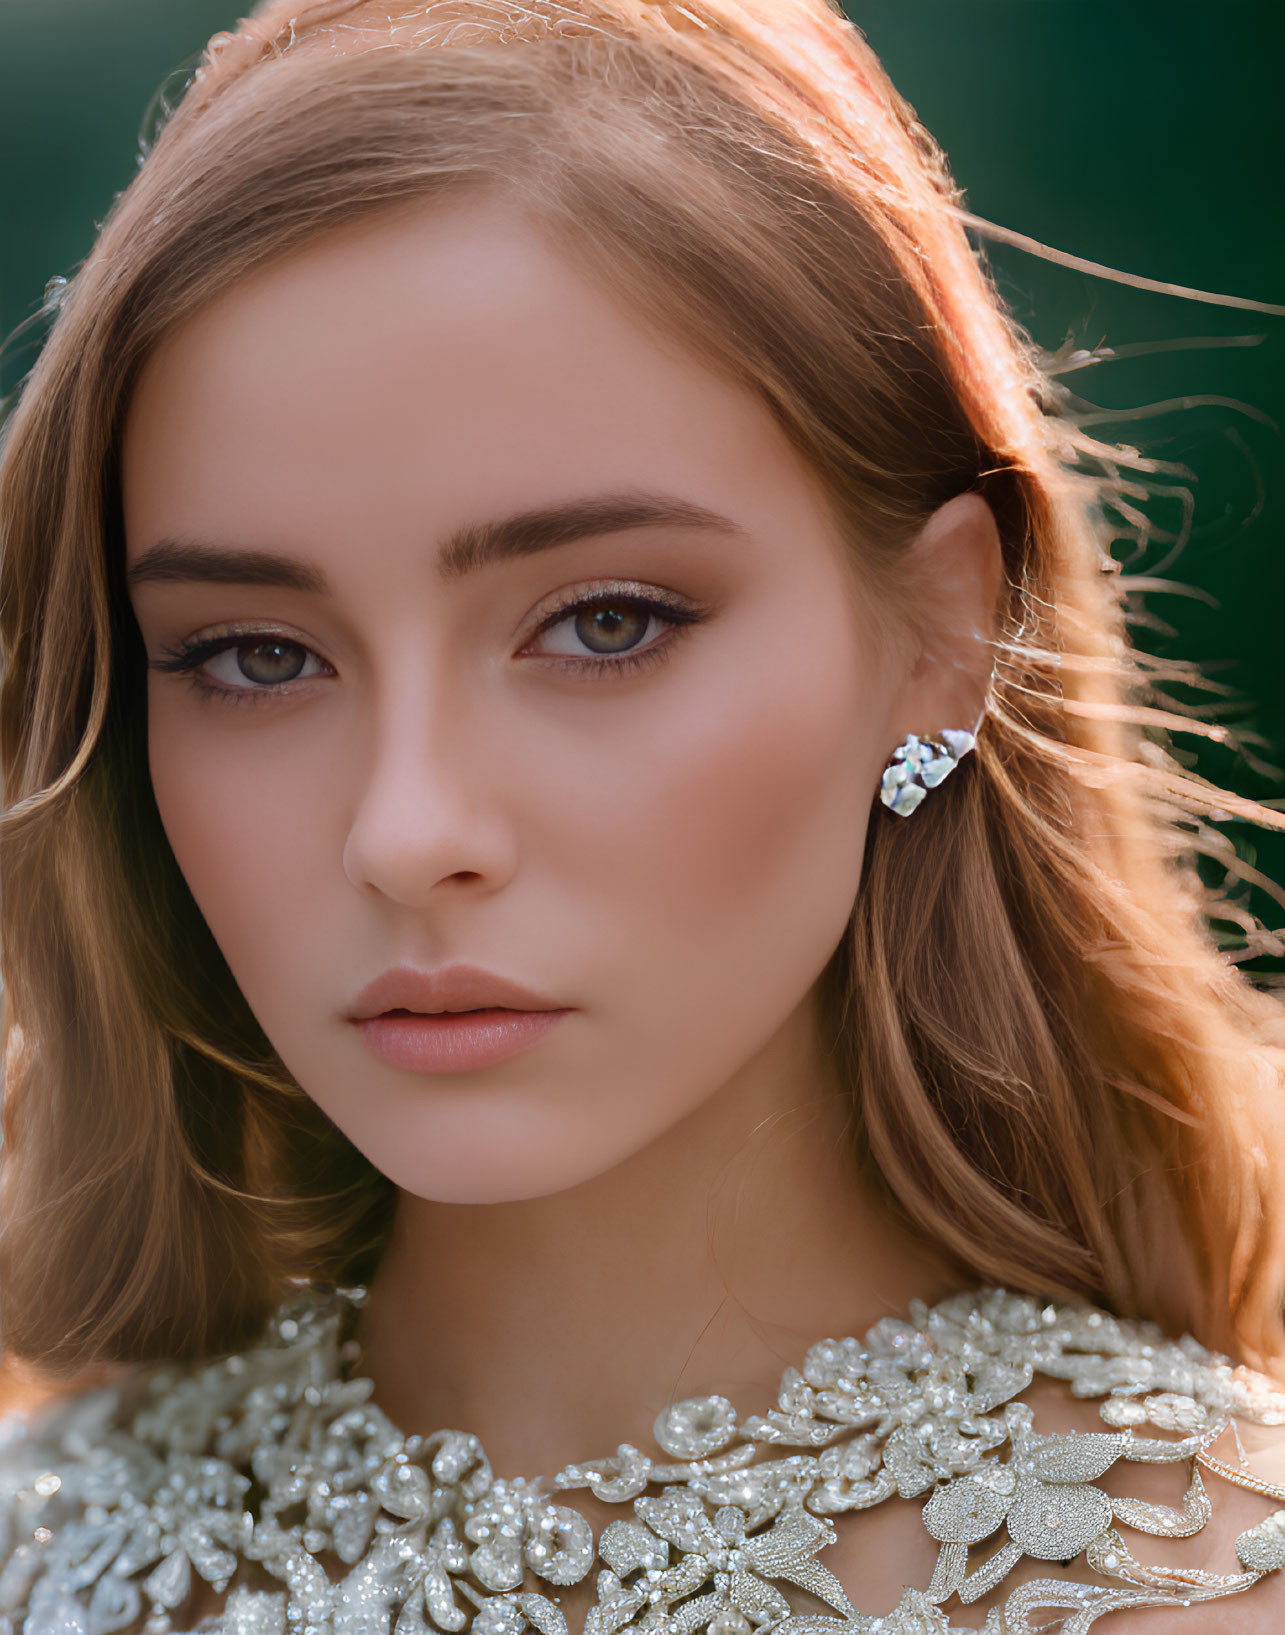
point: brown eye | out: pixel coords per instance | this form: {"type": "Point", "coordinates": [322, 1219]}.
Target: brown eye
{"type": "Point", "coordinates": [612, 627]}
{"type": "Point", "coordinates": [245, 666]}
{"type": "Point", "coordinates": [268, 662]}
{"type": "Point", "coordinates": [609, 629]}
{"type": "Point", "coordinates": [241, 668]}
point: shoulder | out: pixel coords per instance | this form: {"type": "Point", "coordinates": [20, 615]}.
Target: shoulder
{"type": "Point", "coordinates": [1199, 1510]}
{"type": "Point", "coordinates": [126, 1501]}
{"type": "Point", "coordinates": [45, 1424]}
{"type": "Point", "coordinates": [1258, 1611]}
{"type": "Point", "coordinates": [1087, 1467]}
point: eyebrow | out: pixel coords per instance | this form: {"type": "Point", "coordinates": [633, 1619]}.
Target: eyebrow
{"type": "Point", "coordinates": [465, 551]}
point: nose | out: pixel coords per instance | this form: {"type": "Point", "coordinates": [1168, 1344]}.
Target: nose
{"type": "Point", "coordinates": [427, 813]}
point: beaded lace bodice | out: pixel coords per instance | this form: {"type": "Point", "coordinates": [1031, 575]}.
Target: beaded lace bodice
{"type": "Point", "coordinates": [272, 1476]}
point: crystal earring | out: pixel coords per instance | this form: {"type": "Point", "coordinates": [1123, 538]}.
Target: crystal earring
{"type": "Point", "coordinates": [919, 765]}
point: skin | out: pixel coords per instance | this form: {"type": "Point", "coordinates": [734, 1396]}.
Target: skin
{"type": "Point", "coordinates": [656, 1199]}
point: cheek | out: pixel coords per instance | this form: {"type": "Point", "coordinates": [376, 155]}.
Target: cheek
{"type": "Point", "coordinates": [768, 801]}
{"type": "Point", "coordinates": [243, 822]}
{"type": "Point", "coordinates": [735, 843]}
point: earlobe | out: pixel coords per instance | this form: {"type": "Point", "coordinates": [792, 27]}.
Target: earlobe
{"type": "Point", "coordinates": [920, 764]}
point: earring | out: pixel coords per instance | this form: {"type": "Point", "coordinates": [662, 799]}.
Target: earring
{"type": "Point", "coordinates": [919, 765]}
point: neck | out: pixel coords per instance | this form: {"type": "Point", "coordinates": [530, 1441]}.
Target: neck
{"type": "Point", "coordinates": [706, 1263]}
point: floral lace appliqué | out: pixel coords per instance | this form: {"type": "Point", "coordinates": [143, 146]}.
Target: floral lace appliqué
{"type": "Point", "coordinates": [272, 1466]}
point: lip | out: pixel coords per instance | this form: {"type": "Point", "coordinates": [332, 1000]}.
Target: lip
{"type": "Point", "coordinates": [448, 988]}
{"type": "Point", "coordinates": [453, 1020]}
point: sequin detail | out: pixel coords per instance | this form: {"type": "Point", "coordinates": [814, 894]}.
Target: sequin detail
{"type": "Point", "coordinates": [273, 1467]}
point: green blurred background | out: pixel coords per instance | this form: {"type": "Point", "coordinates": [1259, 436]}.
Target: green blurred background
{"type": "Point", "coordinates": [1144, 135]}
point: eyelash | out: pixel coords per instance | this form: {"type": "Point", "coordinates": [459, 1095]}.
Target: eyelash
{"type": "Point", "coordinates": [187, 658]}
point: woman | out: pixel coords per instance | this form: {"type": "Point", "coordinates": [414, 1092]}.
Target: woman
{"type": "Point", "coordinates": [571, 757]}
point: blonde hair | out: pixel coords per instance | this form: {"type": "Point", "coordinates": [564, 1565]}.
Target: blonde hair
{"type": "Point", "coordinates": [1056, 1076]}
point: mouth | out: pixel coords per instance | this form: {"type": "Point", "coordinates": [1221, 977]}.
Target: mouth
{"type": "Point", "coordinates": [451, 1010]}
{"type": "Point", "coordinates": [446, 990]}
{"type": "Point", "coordinates": [453, 1019]}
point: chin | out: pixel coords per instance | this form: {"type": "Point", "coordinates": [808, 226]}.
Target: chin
{"type": "Point", "coordinates": [491, 1171]}
{"type": "Point", "coordinates": [529, 1133]}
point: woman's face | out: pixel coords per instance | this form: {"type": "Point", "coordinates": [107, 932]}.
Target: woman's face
{"type": "Point", "coordinates": [511, 638]}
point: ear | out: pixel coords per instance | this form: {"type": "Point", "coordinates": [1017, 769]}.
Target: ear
{"type": "Point", "coordinates": [955, 566]}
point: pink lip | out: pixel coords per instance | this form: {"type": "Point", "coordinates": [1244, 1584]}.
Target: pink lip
{"type": "Point", "coordinates": [452, 1020]}
{"type": "Point", "coordinates": [455, 1041]}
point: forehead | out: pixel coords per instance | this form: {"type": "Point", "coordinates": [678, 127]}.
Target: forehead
{"type": "Point", "coordinates": [418, 365]}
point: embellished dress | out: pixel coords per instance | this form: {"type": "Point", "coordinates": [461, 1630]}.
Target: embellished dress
{"type": "Point", "coordinates": [270, 1480]}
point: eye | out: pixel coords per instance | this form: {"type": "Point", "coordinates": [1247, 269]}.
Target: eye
{"type": "Point", "coordinates": [237, 666]}
{"type": "Point", "coordinates": [262, 664]}
{"type": "Point", "coordinates": [611, 627]}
